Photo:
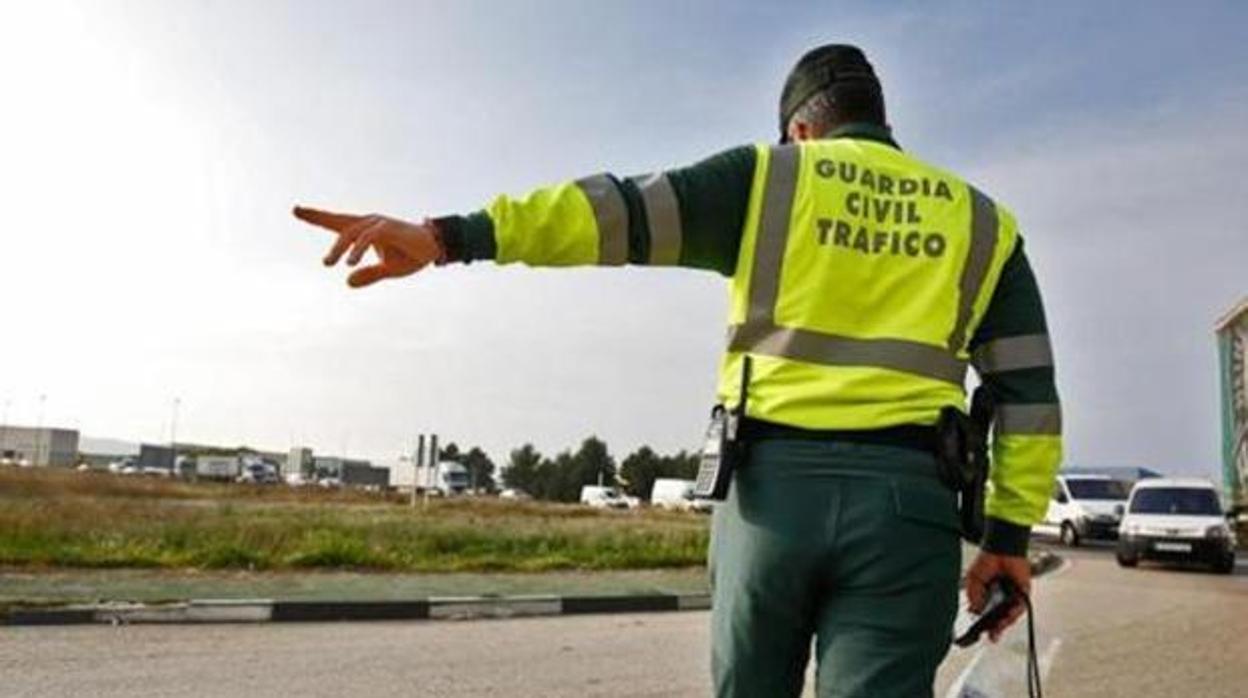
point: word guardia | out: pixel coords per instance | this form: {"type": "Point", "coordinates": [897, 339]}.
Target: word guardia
{"type": "Point", "coordinates": [887, 201]}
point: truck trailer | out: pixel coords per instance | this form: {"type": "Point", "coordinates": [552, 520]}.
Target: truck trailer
{"type": "Point", "coordinates": [223, 468]}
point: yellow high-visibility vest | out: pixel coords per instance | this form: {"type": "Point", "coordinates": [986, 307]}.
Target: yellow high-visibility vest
{"type": "Point", "coordinates": [862, 275]}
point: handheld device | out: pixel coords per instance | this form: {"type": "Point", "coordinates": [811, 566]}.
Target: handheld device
{"type": "Point", "coordinates": [723, 450]}
{"type": "Point", "coordinates": [1002, 597]}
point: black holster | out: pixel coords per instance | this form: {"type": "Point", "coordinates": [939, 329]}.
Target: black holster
{"type": "Point", "coordinates": [962, 453]}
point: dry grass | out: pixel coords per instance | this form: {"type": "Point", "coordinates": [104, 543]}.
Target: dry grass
{"type": "Point", "coordinates": [55, 518]}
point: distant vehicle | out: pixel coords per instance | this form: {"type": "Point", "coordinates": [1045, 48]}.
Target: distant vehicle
{"type": "Point", "coordinates": [1172, 519]}
{"type": "Point", "coordinates": [602, 497]}
{"type": "Point", "coordinates": [83, 467]}
{"type": "Point", "coordinates": [329, 483]}
{"type": "Point", "coordinates": [156, 471]}
{"type": "Point", "coordinates": [511, 493]}
{"type": "Point", "coordinates": [223, 468]}
{"type": "Point", "coordinates": [118, 465]}
{"type": "Point", "coordinates": [298, 480]}
{"type": "Point", "coordinates": [24, 463]}
{"type": "Point", "coordinates": [1086, 507]}
{"type": "Point", "coordinates": [259, 473]}
{"type": "Point", "coordinates": [449, 479]}
{"type": "Point", "coordinates": [672, 493]}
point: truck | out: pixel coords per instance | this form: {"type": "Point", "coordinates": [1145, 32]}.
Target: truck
{"type": "Point", "coordinates": [674, 493]}
{"type": "Point", "coordinates": [224, 468]}
{"type": "Point", "coordinates": [259, 472]}
{"type": "Point", "coordinates": [601, 497]}
{"type": "Point", "coordinates": [447, 479]}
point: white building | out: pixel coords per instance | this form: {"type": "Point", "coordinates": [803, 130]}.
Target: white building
{"type": "Point", "coordinates": [39, 446]}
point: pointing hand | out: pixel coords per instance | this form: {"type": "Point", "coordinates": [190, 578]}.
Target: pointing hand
{"type": "Point", "coordinates": [402, 248]}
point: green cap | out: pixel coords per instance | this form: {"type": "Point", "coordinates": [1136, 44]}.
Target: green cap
{"type": "Point", "coordinates": [821, 69]}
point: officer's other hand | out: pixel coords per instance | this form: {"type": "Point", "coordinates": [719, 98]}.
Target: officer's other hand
{"type": "Point", "coordinates": [402, 248]}
{"type": "Point", "coordinates": [985, 568]}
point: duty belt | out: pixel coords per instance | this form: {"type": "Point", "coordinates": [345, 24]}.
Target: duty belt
{"type": "Point", "coordinates": [912, 436]}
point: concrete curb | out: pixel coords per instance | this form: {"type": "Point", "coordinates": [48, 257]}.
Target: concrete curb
{"type": "Point", "coordinates": [269, 611]}
{"type": "Point", "coordinates": [436, 608]}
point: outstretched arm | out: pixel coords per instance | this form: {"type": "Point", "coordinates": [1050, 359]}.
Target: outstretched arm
{"type": "Point", "coordinates": [691, 217]}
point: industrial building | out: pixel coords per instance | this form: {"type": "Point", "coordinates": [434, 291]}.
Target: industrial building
{"type": "Point", "coordinates": [38, 446]}
{"type": "Point", "coordinates": [1232, 333]}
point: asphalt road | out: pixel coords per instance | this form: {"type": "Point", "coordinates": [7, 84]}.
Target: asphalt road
{"type": "Point", "coordinates": [1140, 633]}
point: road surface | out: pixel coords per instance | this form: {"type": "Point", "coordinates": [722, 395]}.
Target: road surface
{"type": "Point", "coordinates": [1139, 633]}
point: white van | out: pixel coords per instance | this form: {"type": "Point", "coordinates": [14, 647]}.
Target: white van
{"type": "Point", "coordinates": [1086, 507]}
{"type": "Point", "coordinates": [673, 493]}
{"type": "Point", "coordinates": [1176, 520]}
{"type": "Point", "coordinates": [603, 497]}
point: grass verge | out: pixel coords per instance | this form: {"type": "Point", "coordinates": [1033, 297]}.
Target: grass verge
{"type": "Point", "coordinates": [58, 519]}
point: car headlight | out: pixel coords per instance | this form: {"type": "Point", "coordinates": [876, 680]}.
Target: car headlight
{"type": "Point", "coordinates": [1217, 531]}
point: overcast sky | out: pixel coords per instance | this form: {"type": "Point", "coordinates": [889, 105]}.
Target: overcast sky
{"type": "Point", "coordinates": [150, 152]}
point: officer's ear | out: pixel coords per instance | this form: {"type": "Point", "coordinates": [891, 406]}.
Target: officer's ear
{"type": "Point", "coordinates": [800, 131]}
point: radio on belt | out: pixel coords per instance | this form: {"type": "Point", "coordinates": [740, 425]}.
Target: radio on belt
{"type": "Point", "coordinates": [723, 450]}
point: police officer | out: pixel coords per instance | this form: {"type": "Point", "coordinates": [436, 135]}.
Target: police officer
{"type": "Point", "coordinates": [863, 283]}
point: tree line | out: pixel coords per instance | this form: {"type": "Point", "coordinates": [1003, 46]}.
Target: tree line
{"type": "Point", "coordinates": [561, 477]}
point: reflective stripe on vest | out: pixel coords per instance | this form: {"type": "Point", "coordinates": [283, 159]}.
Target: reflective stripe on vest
{"type": "Point", "coordinates": [1041, 419]}
{"type": "Point", "coordinates": [662, 218]}
{"type": "Point", "coordinates": [611, 216]}
{"type": "Point", "coordinates": [761, 335]}
{"type": "Point", "coordinates": [1013, 354]}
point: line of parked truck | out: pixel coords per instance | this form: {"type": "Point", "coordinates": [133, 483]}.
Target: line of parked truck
{"type": "Point", "coordinates": [209, 467]}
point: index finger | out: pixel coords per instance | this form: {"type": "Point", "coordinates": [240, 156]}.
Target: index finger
{"type": "Point", "coordinates": [336, 222]}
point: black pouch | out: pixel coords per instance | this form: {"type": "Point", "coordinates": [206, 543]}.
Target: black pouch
{"type": "Point", "coordinates": [724, 449]}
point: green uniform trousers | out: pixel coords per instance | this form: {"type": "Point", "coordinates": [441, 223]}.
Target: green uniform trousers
{"type": "Point", "coordinates": [853, 545]}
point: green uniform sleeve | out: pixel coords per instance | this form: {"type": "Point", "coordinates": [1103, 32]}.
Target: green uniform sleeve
{"type": "Point", "coordinates": [1012, 354]}
{"type": "Point", "coordinates": [691, 217]}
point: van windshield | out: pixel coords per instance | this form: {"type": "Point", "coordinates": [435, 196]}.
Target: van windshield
{"type": "Point", "coordinates": [1099, 489]}
{"type": "Point", "coordinates": [1176, 500]}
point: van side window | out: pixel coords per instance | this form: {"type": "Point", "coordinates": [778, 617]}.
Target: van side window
{"type": "Point", "coordinates": [1058, 494]}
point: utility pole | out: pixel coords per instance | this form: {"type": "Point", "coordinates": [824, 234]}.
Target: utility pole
{"type": "Point", "coordinates": [418, 461]}
{"type": "Point", "coordinates": [173, 436]}
{"type": "Point", "coordinates": [435, 459]}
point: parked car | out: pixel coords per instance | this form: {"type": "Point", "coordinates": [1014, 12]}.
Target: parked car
{"type": "Point", "coordinates": [1174, 519]}
{"type": "Point", "coordinates": [602, 497]}
{"type": "Point", "coordinates": [1086, 507]}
